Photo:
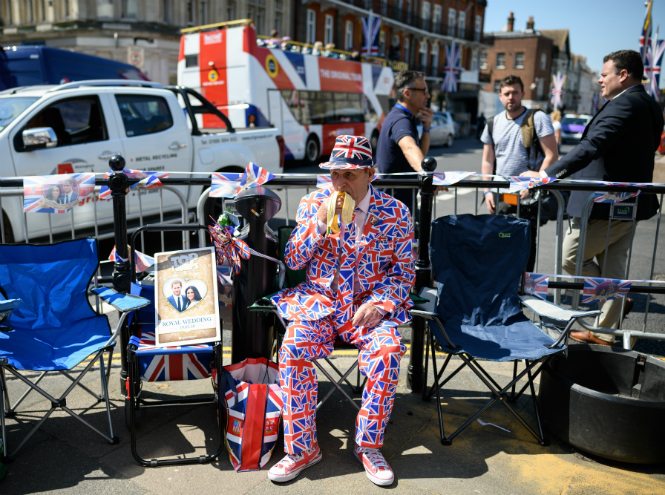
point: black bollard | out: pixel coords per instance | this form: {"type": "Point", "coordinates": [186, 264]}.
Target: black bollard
{"type": "Point", "coordinates": [122, 277]}
{"type": "Point", "coordinates": [253, 333]}
{"type": "Point", "coordinates": [415, 379]}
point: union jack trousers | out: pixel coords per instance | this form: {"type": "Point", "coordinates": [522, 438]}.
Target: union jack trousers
{"type": "Point", "coordinates": [384, 266]}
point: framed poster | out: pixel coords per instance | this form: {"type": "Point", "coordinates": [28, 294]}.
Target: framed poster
{"type": "Point", "coordinates": [186, 298]}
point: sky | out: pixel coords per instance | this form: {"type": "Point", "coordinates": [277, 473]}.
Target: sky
{"type": "Point", "coordinates": [597, 27]}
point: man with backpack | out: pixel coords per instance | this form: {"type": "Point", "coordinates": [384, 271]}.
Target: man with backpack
{"type": "Point", "coordinates": [516, 141]}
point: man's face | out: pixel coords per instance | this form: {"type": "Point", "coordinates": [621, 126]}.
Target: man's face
{"type": "Point", "coordinates": [176, 290]}
{"type": "Point", "coordinates": [354, 182]}
{"type": "Point", "coordinates": [610, 81]}
{"type": "Point", "coordinates": [67, 187]}
{"type": "Point", "coordinates": [511, 97]}
{"type": "Point", "coordinates": [418, 93]}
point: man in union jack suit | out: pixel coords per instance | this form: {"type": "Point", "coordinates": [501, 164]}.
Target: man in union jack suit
{"type": "Point", "coordinates": [357, 288]}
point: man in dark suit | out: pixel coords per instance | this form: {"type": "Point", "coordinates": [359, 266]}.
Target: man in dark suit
{"type": "Point", "coordinates": [68, 194]}
{"type": "Point", "coordinates": [177, 300]}
{"type": "Point", "coordinates": [618, 145]}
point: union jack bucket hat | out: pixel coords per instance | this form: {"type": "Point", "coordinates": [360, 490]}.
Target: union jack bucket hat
{"type": "Point", "coordinates": [350, 152]}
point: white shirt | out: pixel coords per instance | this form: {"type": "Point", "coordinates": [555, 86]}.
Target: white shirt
{"type": "Point", "coordinates": [359, 220]}
{"type": "Point", "coordinates": [179, 302]}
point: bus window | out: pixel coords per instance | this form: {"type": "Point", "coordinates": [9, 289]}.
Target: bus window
{"type": "Point", "coordinates": [370, 113]}
{"type": "Point", "coordinates": [348, 108]}
{"type": "Point", "coordinates": [324, 107]}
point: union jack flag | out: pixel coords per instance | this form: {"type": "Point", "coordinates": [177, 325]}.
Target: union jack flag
{"type": "Point", "coordinates": [520, 183]}
{"type": "Point", "coordinates": [36, 191]}
{"type": "Point", "coordinates": [149, 180]}
{"type": "Point", "coordinates": [227, 247]}
{"type": "Point", "coordinates": [452, 69]}
{"type": "Point", "coordinates": [159, 364]}
{"type": "Point", "coordinates": [654, 60]}
{"type": "Point", "coordinates": [536, 284]}
{"type": "Point", "coordinates": [371, 26]}
{"type": "Point", "coordinates": [449, 178]}
{"type": "Point", "coordinates": [229, 185]}
{"type": "Point", "coordinates": [613, 197]}
{"type": "Point", "coordinates": [603, 289]}
{"type": "Point", "coordinates": [645, 36]}
{"type": "Point", "coordinates": [558, 83]}
{"type": "Point", "coordinates": [142, 261]}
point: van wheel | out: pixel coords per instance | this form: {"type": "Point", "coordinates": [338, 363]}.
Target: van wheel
{"type": "Point", "coordinates": [213, 206]}
{"type": "Point", "coordinates": [449, 141]}
{"type": "Point", "coordinates": [312, 150]}
{"type": "Point", "coordinates": [374, 141]}
{"type": "Point", "coordinates": [9, 233]}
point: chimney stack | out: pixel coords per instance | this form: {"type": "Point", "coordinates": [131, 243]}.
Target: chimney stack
{"type": "Point", "coordinates": [511, 22]}
{"type": "Point", "coordinates": [530, 23]}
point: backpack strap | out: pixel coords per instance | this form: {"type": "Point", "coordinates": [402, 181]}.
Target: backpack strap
{"type": "Point", "coordinates": [529, 134]}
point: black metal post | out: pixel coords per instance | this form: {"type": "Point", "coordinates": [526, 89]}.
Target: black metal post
{"type": "Point", "coordinates": [122, 276]}
{"type": "Point", "coordinates": [415, 378]}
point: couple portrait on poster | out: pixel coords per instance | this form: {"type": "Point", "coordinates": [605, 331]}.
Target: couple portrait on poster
{"type": "Point", "coordinates": [63, 192]}
{"type": "Point", "coordinates": [183, 300]}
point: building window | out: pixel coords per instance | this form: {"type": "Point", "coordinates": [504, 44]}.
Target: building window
{"type": "Point", "coordinates": [130, 9]}
{"type": "Point", "coordinates": [310, 35]}
{"type": "Point", "coordinates": [408, 11]}
{"type": "Point", "coordinates": [348, 35]}
{"type": "Point", "coordinates": [191, 14]}
{"type": "Point", "coordinates": [483, 60]}
{"type": "Point", "coordinates": [436, 19]}
{"type": "Point", "coordinates": [540, 89]}
{"type": "Point", "coordinates": [328, 30]}
{"type": "Point", "coordinates": [256, 10]}
{"type": "Point", "coordinates": [230, 11]}
{"type": "Point", "coordinates": [497, 86]}
{"type": "Point", "coordinates": [423, 55]}
{"type": "Point", "coordinates": [67, 8]}
{"type": "Point", "coordinates": [167, 12]}
{"type": "Point", "coordinates": [519, 60]}
{"type": "Point", "coordinates": [28, 8]}
{"type": "Point", "coordinates": [384, 7]}
{"type": "Point", "coordinates": [452, 15]}
{"type": "Point", "coordinates": [500, 60]}
{"type": "Point", "coordinates": [42, 10]}
{"type": "Point", "coordinates": [461, 24]}
{"type": "Point", "coordinates": [435, 59]}
{"type": "Point", "coordinates": [426, 11]}
{"type": "Point", "coordinates": [203, 12]}
{"type": "Point", "coordinates": [479, 27]}
{"type": "Point", "coordinates": [474, 59]}
{"type": "Point", "coordinates": [278, 16]}
{"type": "Point", "coordinates": [407, 49]}
{"type": "Point", "coordinates": [543, 61]}
{"type": "Point", "coordinates": [7, 13]}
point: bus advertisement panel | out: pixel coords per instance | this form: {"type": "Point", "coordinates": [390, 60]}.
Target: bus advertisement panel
{"type": "Point", "coordinates": [310, 99]}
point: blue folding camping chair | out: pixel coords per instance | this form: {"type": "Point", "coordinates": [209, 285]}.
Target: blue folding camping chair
{"type": "Point", "coordinates": [52, 326]}
{"type": "Point", "coordinates": [475, 312]}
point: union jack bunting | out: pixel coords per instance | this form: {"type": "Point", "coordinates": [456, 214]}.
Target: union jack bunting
{"type": "Point", "coordinates": [652, 65]}
{"type": "Point", "coordinates": [46, 193]}
{"type": "Point", "coordinates": [613, 197]}
{"type": "Point", "coordinates": [149, 180]}
{"type": "Point", "coordinates": [229, 185]}
{"type": "Point", "coordinates": [521, 183]}
{"type": "Point", "coordinates": [452, 69]}
{"type": "Point", "coordinates": [254, 411]}
{"type": "Point", "coordinates": [558, 83]}
{"type": "Point", "coordinates": [603, 289]}
{"type": "Point", "coordinates": [371, 26]}
{"type": "Point", "coordinates": [160, 364]}
{"type": "Point", "coordinates": [350, 152]}
{"type": "Point", "coordinates": [142, 261]}
{"type": "Point", "coordinates": [536, 284]}
{"type": "Point", "coordinates": [645, 36]}
{"type": "Point", "coordinates": [227, 247]}
{"type": "Point", "coordinates": [449, 178]}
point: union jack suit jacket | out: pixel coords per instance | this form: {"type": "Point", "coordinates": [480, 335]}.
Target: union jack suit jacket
{"type": "Point", "coordinates": [385, 264]}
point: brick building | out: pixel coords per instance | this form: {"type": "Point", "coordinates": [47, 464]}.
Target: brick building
{"type": "Point", "coordinates": [527, 54]}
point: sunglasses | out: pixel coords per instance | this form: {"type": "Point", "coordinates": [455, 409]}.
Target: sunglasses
{"type": "Point", "coordinates": [424, 90]}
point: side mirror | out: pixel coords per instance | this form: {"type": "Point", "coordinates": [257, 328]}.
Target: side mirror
{"type": "Point", "coordinates": [39, 138]}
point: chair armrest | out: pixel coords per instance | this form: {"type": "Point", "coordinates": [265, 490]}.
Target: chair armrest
{"type": "Point", "coordinates": [6, 309]}
{"type": "Point", "coordinates": [122, 302]}
{"type": "Point", "coordinates": [425, 301]}
{"type": "Point", "coordinates": [263, 305]}
{"type": "Point", "coordinates": [552, 311]}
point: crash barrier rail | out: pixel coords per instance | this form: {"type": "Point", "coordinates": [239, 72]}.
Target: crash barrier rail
{"type": "Point", "coordinates": [118, 183]}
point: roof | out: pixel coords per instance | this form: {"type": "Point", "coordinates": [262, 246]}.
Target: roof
{"type": "Point", "coordinates": [559, 36]}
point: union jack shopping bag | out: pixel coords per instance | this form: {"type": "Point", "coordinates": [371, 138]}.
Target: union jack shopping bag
{"type": "Point", "coordinates": [254, 407]}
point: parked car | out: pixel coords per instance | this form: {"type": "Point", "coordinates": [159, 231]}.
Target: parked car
{"type": "Point", "coordinates": [77, 127]}
{"type": "Point", "coordinates": [572, 126]}
{"type": "Point", "coordinates": [442, 131]}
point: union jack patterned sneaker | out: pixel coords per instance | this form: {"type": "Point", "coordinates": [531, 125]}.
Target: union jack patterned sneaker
{"type": "Point", "coordinates": [293, 464]}
{"type": "Point", "coordinates": [377, 469]}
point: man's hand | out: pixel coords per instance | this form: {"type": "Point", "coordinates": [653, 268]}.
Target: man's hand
{"type": "Point", "coordinates": [426, 115]}
{"type": "Point", "coordinates": [322, 214]}
{"type": "Point", "coordinates": [367, 316]}
{"type": "Point", "coordinates": [531, 173]}
{"type": "Point", "coordinates": [525, 193]}
{"type": "Point", "coordinates": [489, 201]}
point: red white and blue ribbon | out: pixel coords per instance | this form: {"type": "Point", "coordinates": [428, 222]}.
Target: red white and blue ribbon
{"type": "Point", "coordinates": [439, 179]}
{"type": "Point", "coordinates": [558, 82]}
{"type": "Point", "coordinates": [602, 289]}
{"type": "Point", "coordinates": [149, 180]}
{"type": "Point", "coordinates": [230, 184]}
{"type": "Point", "coordinates": [37, 192]}
{"type": "Point", "coordinates": [652, 65]}
{"type": "Point", "coordinates": [536, 284]}
{"type": "Point", "coordinates": [141, 261]}
{"type": "Point", "coordinates": [370, 28]}
{"type": "Point", "coordinates": [520, 183]}
{"type": "Point", "coordinates": [452, 69]}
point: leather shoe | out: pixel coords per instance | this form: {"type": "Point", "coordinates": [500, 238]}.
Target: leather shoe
{"type": "Point", "coordinates": [588, 338]}
{"type": "Point", "coordinates": [628, 307]}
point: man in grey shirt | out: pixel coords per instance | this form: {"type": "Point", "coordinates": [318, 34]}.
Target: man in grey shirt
{"type": "Point", "coordinates": [506, 146]}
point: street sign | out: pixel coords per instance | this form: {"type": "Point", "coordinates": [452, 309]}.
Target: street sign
{"type": "Point", "coordinates": [136, 56]}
